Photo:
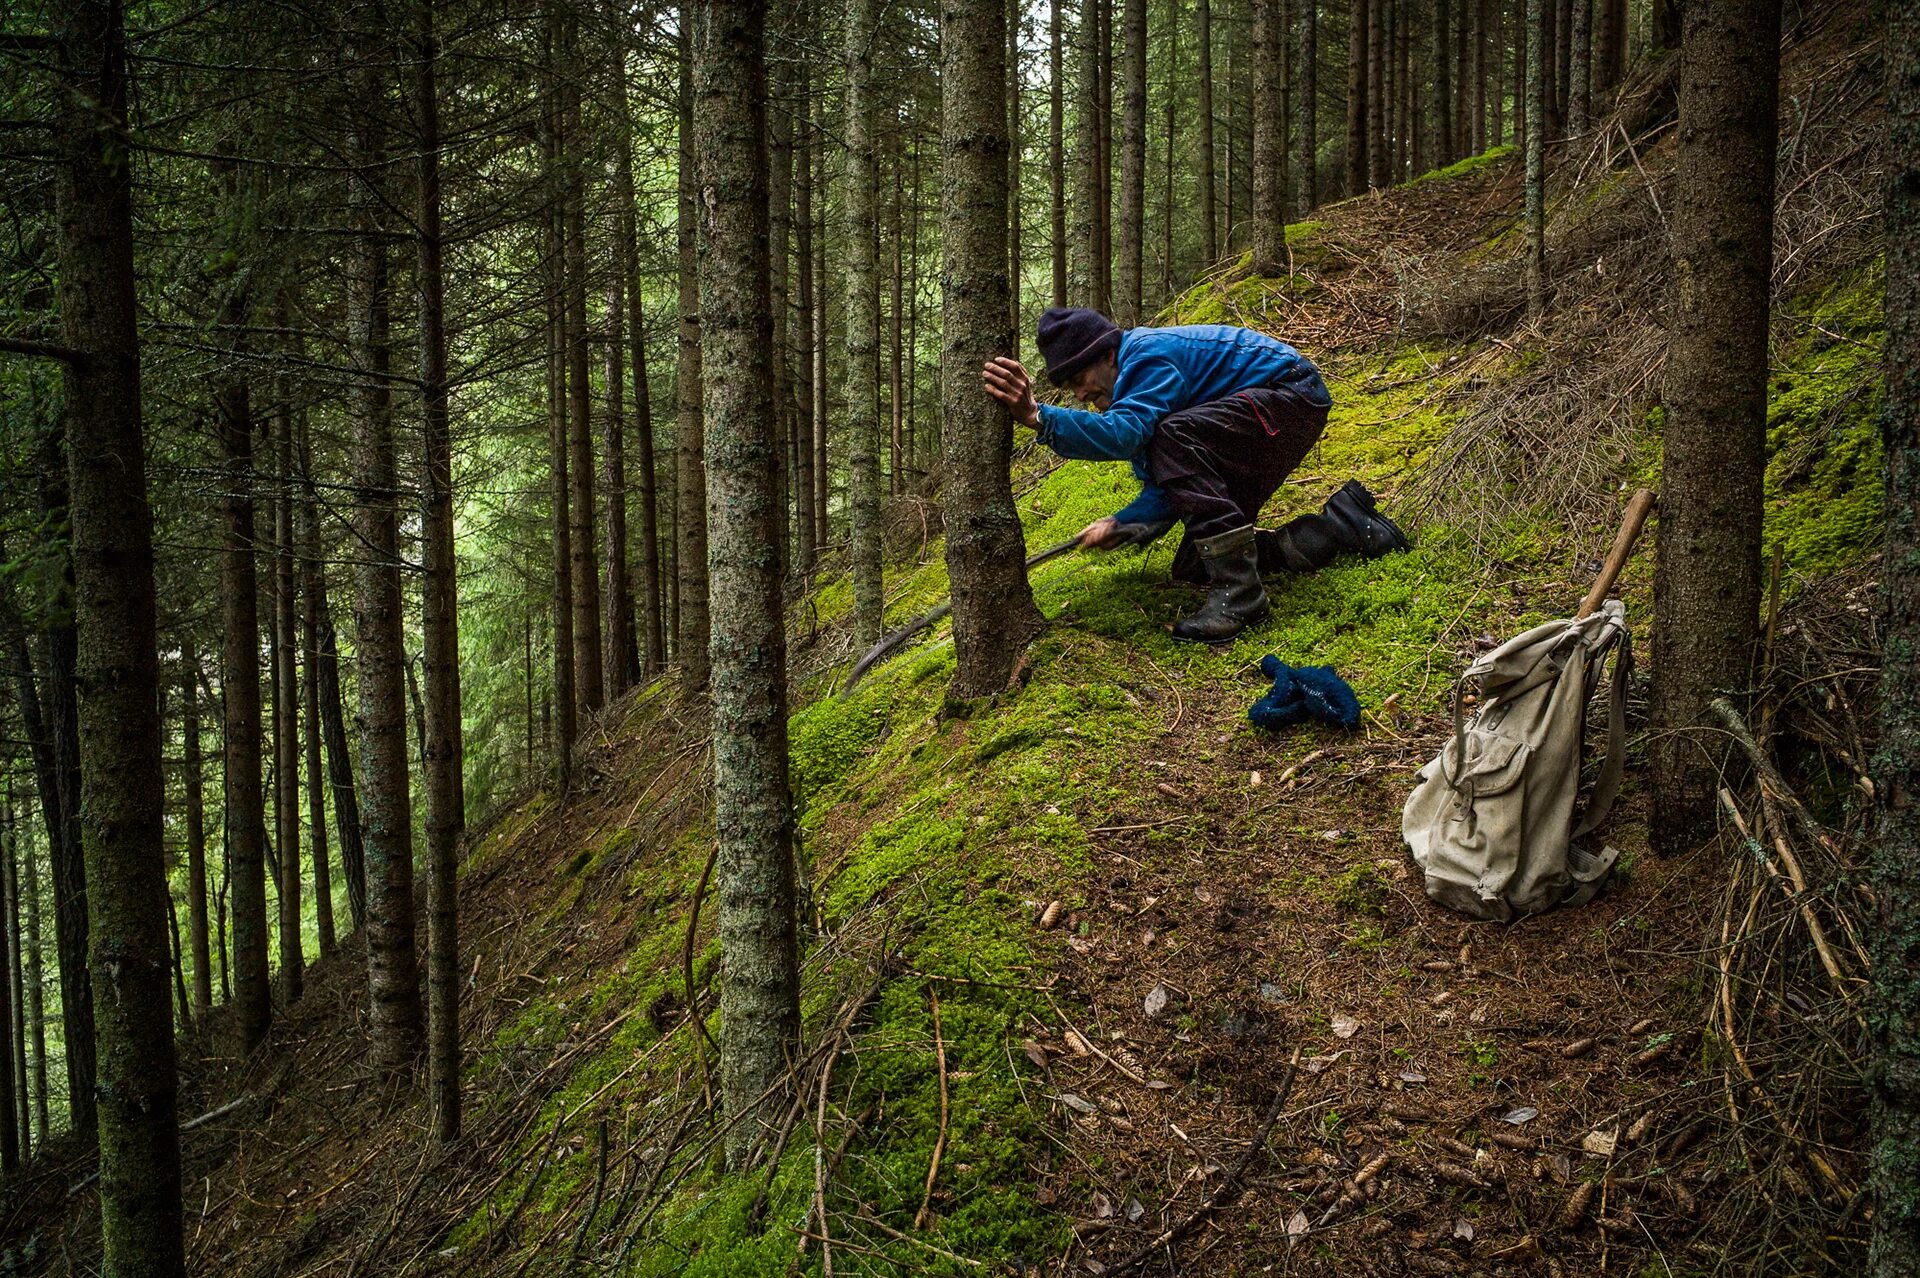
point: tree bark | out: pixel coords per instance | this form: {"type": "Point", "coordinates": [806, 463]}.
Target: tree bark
{"type": "Point", "coordinates": [822, 297]}
{"type": "Point", "coordinates": [1133, 164]}
{"type": "Point", "coordinates": [863, 308]}
{"type": "Point", "coordinates": [283, 649]}
{"type": "Point", "coordinates": [1309, 179]}
{"type": "Point", "coordinates": [1441, 56]}
{"type": "Point", "coordinates": [589, 690]}
{"type": "Point", "coordinates": [1894, 864]}
{"type": "Point", "coordinates": [1269, 138]}
{"type": "Point", "coordinates": [753, 814]}
{"type": "Point", "coordinates": [792, 18]}
{"type": "Point", "coordinates": [1377, 149]}
{"type": "Point", "coordinates": [690, 502]}
{"type": "Point", "coordinates": [897, 288]}
{"type": "Point", "coordinates": [36, 989]}
{"type": "Point", "coordinates": [993, 611]}
{"type": "Point", "coordinates": [117, 664]}
{"type": "Point", "coordinates": [1103, 132]}
{"type": "Point", "coordinates": [307, 535]}
{"type": "Point", "coordinates": [1536, 163]}
{"type": "Point", "coordinates": [1580, 55]}
{"type": "Point", "coordinates": [240, 692]}
{"type": "Point", "coordinates": [1357, 166]}
{"type": "Point", "coordinates": [1707, 578]}
{"type": "Point", "coordinates": [1015, 147]}
{"type": "Point", "coordinates": [393, 980]}
{"type": "Point", "coordinates": [440, 603]}
{"type": "Point", "coordinates": [559, 458]}
{"type": "Point", "coordinates": [619, 656]}
{"type": "Point", "coordinates": [1523, 23]}
{"type": "Point", "coordinates": [805, 515]}
{"type": "Point", "coordinates": [13, 1080]}
{"type": "Point", "coordinates": [16, 974]}
{"type": "Point", "coordinates": [333, 728]}
{"type": "Point", "coordinates": [1082, 287]}
{"type": "Point", "coordinates": [1056, 149]}
{"type": "Point", "coordinates": [195, 805]}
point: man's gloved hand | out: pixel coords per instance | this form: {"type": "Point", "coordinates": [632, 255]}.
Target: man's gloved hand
{"type": "Point", "coordinates": [1111, 534]}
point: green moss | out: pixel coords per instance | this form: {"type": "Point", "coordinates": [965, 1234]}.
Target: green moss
{"type": "Point", "coordinates": [1471, 164]}
{"type": "Point", "coordinates": [825, 739]}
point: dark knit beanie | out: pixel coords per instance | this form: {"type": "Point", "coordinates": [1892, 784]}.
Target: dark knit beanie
{"type": "Point", "coordinates": [1072, 337]}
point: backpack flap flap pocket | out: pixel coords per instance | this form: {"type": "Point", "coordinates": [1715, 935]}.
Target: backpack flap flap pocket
{"type": "Point", "coordinates": [1494, 764]}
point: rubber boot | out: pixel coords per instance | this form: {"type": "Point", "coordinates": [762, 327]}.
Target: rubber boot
{"type": "Point", "coordinates": [1349, 523]}
{"type": "Point", "coordinates": [1236, 599]}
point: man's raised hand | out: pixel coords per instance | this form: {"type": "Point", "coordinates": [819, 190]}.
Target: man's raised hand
{"type": "Point", "coordinates": [1007, 381]}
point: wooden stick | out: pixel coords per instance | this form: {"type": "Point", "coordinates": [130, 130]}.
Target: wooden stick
{"type": "Point", "coordinates": [1638, 508]}
{"type": "Point", "coordinates": [940, 1141]}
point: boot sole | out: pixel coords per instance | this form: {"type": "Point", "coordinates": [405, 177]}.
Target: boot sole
{"type": "Point", "coordinates": [1265, 614]}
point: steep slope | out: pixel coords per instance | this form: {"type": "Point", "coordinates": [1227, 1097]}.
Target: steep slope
{"type": "Point", "coordinates": [1228, 902]}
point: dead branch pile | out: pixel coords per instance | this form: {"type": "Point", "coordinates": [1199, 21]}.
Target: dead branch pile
{"type": "Point", "coordinates": [1559, 426]}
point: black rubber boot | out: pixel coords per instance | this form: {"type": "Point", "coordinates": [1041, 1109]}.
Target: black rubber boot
{"type": "Point", "coordinates": [1236, 600]}
{"type": "Point", "coordinates": [1349, 524]}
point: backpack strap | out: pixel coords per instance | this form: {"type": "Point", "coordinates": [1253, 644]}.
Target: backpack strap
{"type": "Point", "coordinates": [1607, 788]}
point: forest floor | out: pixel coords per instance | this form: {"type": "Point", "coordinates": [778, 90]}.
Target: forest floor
{"type": "Point", "coordinates": [1242, 974]}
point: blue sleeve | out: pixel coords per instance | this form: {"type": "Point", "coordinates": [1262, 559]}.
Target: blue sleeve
{"type": "Point", "coordinates": [1152, 506]}
{"type": "Point", "coordinates": [1121, 433]}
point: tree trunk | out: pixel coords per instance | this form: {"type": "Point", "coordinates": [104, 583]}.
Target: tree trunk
{"type": "Point", "coordinates": [1397, 89]}
{"type": "Point", "coordinates": [619, 659]}
{"type": "Point", "coordinates": [13, 1081]}
{"type": "Point", "coordinates": [1377, 153]}
{"type": "Point", "coordinates": [753, 815]}
{"type": "Point", "coordinates": [1496, 72]}
{"type": "Point", "coordinates": [1357, 44]}
{"type": "Point", "coordinates": [1056, 148]}
{"type": "Point", "coordinates": [286, 702]}
{"type": "Point", "coordinates": [863, 306]}
{"type": "Point", "coordinates": [822, 295]}
{"type": "Point", "coordinates": [1442, 58]}
{"type": "Point", "coordinates": [1103, 203]}
{"type": "Point", "coordinates": [559, 464]}
{"type": "Point", "coordinates": [1707, 578]}
{"type": "Point", "coordinates": [1310, 105]}
{"type": "Point", "coordinates": [240, 692]}
{"type": "Point", "coordinates": [690, 502]}
{"type": "Point", "coordinates": [333, 728]}
{"type": "Point", "coordinates": [897, 286]}
{"type": "Point", "coordinates": [1133, 164]}
{"type": "Point", "coordinates": [1083, 286]}
{"type": "Point", "coordinates": [1523, 24]}
{"type": "Point", "coordinates": [16, 973]}
{"type": "Point", "coordinates": [1231, 223]}
{"type": "Point", "coordinates": [36, 989]}
{"type": "Point", "coordinates": [1269, 138]}
{"type": "Point", "coordinates": [589, 691]}
{"type": "Point", "coordinates": [993, 611]}
{"type": "Point", "coordinates": [195, 804]}
{"type": "Point", "coordinates": [312, 579]}
{"type": "Point", "coordinates": [626, 231]}
{"type": "Point", "coordinates": [1482, 10]}
{"type": "Point", "coordinates": [1209, 210]}
{"type": "Point", "coordinates": [1015, 148]}
{"type": "Point", "coordinates": [440, 604]}
{"type": "Point", "coordinates": [1894, 864]}
{"type": "Point", "coordinates": [1581, 59]}
{"type": "Point", "coordinates": [393, 980]}
{"type": "Point", "coordinates": [1170, 126]}
{"type": "Point", "coordinates": [1536, 164]}
{"type": "Point", "coordinates": [792, 16]}
{"type": "Point", "coordinates": [805, 515]}
{"type": "Point", "coordinates": [119, 716]}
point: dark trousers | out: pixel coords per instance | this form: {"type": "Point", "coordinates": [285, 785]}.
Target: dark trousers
{"type": "Point", "coordinates": [1221, 461]}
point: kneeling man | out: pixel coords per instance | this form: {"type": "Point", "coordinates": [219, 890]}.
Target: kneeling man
{"type": "Point", "coordinates": [1212, 418]}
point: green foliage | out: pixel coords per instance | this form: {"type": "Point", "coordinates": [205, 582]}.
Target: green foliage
{"type": "Point", "coordinates": [1470, 164]}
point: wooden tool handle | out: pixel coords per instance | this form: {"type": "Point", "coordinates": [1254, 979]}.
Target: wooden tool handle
{"type": "Point", "coordinates": [1638, 508]}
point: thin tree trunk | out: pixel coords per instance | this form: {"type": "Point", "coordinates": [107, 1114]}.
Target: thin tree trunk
{"type": "Point", "coordinates": [312, 579]}
{"type": "Point", "coordinates": [589, 691]}
{"type": "Point", "coordinates": [760, 986]}
{"type": "Point", "coordinates": [1441, 55]}
{"type": "Point", "coordinates": [1523, 24]}
{"type": "Point", "coordinates": [36, 989]}
{"type": "Point", "coordinates": [1056, 147]}
{"type": "Point", "coordinates": [119, 717]}
{"type": "Point", "coordinates": [896, 398]}
{"type": "Point", "coordinates": [393, 981]}
{"type": "Point", "coordinates": [993, 611]}
{"type": "Point", "coordinates": [1133, 164]}
{"type": "Point", "coordinates": [1209, 202]}
{"type": "Point", "coordinates": [1482, 10]}
{"type": "Point", "coordinates": [792, 17]}
{"type": "Point", "coordinates": [1581, 58]}
{"type": "Point", "coordinates": [1083, 286]}
{"type": "Point", "coordinates": [690, 502]}
{"type": "Point", "coordinates": [240, 692]}
{"type": "Point", "coordinates": [916, 451]}
{"type": "Point", "coordinates": [16, 971]}
{"type": "Point", "coordinates": [1310, 104]}
{"type": "Point", "coordinates": [1269, 138]}
{"type": "Point", "coordinates": [1170, 126]}
{"type": "Point", "coordinates": [822, 295]}
{"type": "Point", "coordinates": [1462, 78]}
{"type": "Point", "coordinates": [195, 803]}
{"type": "Point", "coordinates": [286, 701]}
{"type": "Point", "coordinates": [626, 230]}
{"type": "Point", "coordinates": [1228, 238]}
{"type": "Point", "coordinates": [333, 728]}
{"type": "Point", "coordinates": [440, 603]}
{"type": "Point", "coordinates": [1103, 204]}
{"type": "Point", "coordinates": [1378, 156]}
{"type": "Point", "coordinates": [1496, 72]}
{"type": "Point", "coordinates": [1536, 174]}
{"type": "Point", "coordinates": [863, 306]}
{"type": "Point", "coordinates": [13, 1081]}
{"type": "Point", "coordinates": [1707, 578]}
{"type": "Point", "coordinates": [1015, 147]}
{"type": "Point", "coordinates": [619, 661]}
{"type": "Point", "coordinates": [805, 514]}
{"type": "Point", "coordinates": [1894, 863]}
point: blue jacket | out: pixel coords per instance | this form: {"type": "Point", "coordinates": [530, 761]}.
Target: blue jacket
{"type": "Point", "coordinates": [1162, 371]}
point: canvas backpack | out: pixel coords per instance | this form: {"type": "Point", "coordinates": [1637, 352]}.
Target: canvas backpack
{"type": "Point", "coordinates": [1492, 819]}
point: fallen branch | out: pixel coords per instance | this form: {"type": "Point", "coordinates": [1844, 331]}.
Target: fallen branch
{"type": "Point", "coordinates": [940, 1141]}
